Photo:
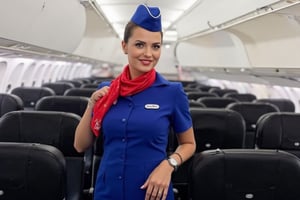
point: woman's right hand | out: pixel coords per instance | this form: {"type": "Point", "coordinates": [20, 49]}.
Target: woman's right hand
{"type": "Point", "coordinates": [97, 95]}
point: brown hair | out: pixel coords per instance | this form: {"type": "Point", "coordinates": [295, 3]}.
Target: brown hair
{"type": "Point", "coordinates": [129, 29]}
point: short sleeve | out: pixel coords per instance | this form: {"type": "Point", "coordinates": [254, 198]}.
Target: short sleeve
{"type": "Point", "coordinates": [102, 84]}
{"type": "Point", "coordinates": [181, 117]}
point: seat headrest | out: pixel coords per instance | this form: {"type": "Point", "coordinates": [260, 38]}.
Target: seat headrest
{"type": "Point", "coordinates": [252, 111]}
{"type": "Point", "coordinates": [10, 102]}
{"type": "Point", "coordinates": [31, 171]}
{"type": "Point", "coordinates": [30, 95]}
{"type": "Point", "coordinates": [72, 104]}
{"type": "Point", "coordinates": [217, 128]}
{"type": "Point", "coordinates": [244, 174]}
{"type": "Point", "coordinates": [279, 131]}
{"type": "Point", "coordinates": [46, 127]}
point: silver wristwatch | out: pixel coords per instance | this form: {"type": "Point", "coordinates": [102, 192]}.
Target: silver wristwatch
{"type": "Point", "coordinates": [173, 163]}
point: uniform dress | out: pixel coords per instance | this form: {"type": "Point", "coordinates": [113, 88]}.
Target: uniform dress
{"type": "Point", "coordinates": [135, 132]}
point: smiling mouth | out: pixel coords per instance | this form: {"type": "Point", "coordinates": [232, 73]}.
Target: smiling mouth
{"type": "Point", "coordinates": [146, 62]}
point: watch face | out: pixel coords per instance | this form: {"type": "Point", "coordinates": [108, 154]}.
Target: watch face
{"type": "Point", "coordinates": [173, 162]}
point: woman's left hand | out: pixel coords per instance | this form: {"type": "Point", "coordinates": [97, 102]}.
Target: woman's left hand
{"type": "Point", "coordinates": [158, 182]}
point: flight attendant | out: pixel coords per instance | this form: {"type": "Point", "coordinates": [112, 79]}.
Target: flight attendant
{"type": "Point", "coordinates": [134, 113]}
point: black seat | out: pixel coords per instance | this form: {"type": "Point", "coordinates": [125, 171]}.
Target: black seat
{"type": "Point", "coordinates": [217, 128]}
{"type": "Point", "coordinates": [236, 174]}
{"type": "Point", "coordinates": [216, 102]}
{"type": "Point", "coordinates": [89, 85]}
{"type": "Point", "coordinates": [97, 155]}
{"type": "Point", "coordinates": [76, 83]}
{"type": "Point", "coordinates": [242, 97]}
{"type": "Point", "coordinates": [251, 112]}
{"type": "Point", "coordinates": [83, 92]}
{"type": "Point", "coordinates": [70, 104]}
{"type": "Point", "coordinates": [206, 88]}
{"type": "Point", "coordinates": [76, 105]}
{"type": "Point", "coordinates": [10, 102]}
{"type": "Point", "coordinates": [198, 94]}
{"type": "Point", "coordinates": [279, 131]}
{"type": "Point", "coordinates": [52, 128]}
{"type": "Point", "coordinates": [196, 104]}
{"type": "Point", "coordinates": [284, 105]}
{"type": "Point", "coordinates": [213, 128]}
{"type": "Point", "coordinates": [59, 87]}
{"type": "Point", "coordinates": [30, 95]}
{"type": "Point", "coordinates": [31, 171]}
{"type": "Point", "coordinates": [221, 92]}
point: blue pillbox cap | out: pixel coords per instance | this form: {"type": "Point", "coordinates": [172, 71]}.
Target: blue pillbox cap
{"type": "Point", "coordinates": [148, 18]}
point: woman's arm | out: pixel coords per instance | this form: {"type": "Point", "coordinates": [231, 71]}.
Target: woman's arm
{"type": "Point", "coordinates": [159, 180]}
{"type": "Point", "coordinates": [84, 137]}
{"type": "Point", "coordinates": [186, 147]}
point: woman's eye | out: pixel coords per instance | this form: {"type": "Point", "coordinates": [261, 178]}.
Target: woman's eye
{"type": "Point", "coordinates": [157, 46]}
{"type": "Point", "coordinates": [139, 45]}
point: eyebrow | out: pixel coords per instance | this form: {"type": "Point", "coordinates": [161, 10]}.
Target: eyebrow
{"type": "Point", "coordinates": [155, 43]}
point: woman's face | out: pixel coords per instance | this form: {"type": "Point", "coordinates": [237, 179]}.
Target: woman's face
{"type": "Point", "coordinates": [143, 49]}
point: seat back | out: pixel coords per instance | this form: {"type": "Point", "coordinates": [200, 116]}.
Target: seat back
{"type": "Point", "coordinates": [76, 105]}
{"type": "Point", "coordinates": [196, 104]}
{"type": "Point", "coordinates": [213, 128]}
{"type": "Point", "coordinates": [30, 95]}
{"type": "Point", "coordinates": [279, 131]}
{"type": "Point", "coordinates": [76, 83]}
{"type": "Point", "coordinates": [31, 171]}
{"type": "Point", "coordinates": [59, 87]}
{"type": "Point", "coordinates": [242, 97]}
{"type": "Point", "coordinates": [251, 112]}
{"type": "Point", "coordinates": [217, 128]}
{"type": "Point", "coordinates": [284, 105]}
{"type": "Point", "coordinates": [89, 85]}
{"type": "Point", "coordinates": [216, 102]}
{"type": "Point", "coordinates": [97, 155]}
{"type": "Point", "coordinates": [220, 92]}
{"type": "Point", "coordinates": [51, 128]}
{"type": "Point", "coordinates": [237, 174]}
{"type": "Point", "coordinates": [193, 95]}
{"type": "Point", "coordinates": [83, 92]}
{"type": "Point", "coordinates": [10, 102]}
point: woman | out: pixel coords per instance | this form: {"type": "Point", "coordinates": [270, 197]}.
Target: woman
{"type": "Point", "coordinates": [134, 113]}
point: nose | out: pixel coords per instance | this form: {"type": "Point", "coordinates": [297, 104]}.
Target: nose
{"type": "Point", "coordinates": [148, 52]}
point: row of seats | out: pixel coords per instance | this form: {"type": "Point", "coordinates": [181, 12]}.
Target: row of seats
{"type": "Point", "coordinates": [97, 156]}
{"type": "Point", "coordinates": [212, 100]}
{"type": "Point", "coordinates": [42, 127]}
{"type": "Point", "coordinates": [32, 171]}
{"type": "Point", "coordinates": [235, 174]}
{"type": "Point", "coordinates": [226, 129]}
{"type": "Point", "coordinates": [73, 104]}
{"type": "Point", "coordinates": [250, 112]}
{"type": "Point", "coordinates": [52, 128]}
{"type": "Point", "coordinates": [31, 95]}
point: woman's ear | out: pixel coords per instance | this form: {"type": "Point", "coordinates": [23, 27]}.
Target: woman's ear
{"type": "Point", "coordinates": [124, 47]}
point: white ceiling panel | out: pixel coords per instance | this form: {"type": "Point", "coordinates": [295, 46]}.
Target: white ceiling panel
{"type": "Point", "coordinates": [119, 12]}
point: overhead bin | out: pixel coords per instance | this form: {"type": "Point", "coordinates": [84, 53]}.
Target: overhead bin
{"type": "Point", "coordinates": [55, 24]}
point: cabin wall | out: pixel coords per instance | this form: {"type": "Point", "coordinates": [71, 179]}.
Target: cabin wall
{"type": "Point", "coordinates": [16, 72]}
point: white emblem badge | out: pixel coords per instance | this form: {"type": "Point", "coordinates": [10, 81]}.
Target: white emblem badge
{"type": "Point", "coordinates": [152, 106]}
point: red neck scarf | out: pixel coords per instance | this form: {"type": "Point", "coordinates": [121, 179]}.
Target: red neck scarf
{"type": "Point", "coordinates": [121, 86]}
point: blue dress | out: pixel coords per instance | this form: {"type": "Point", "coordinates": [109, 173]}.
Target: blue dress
{"type": "Point", "coordinates": [135, 132]}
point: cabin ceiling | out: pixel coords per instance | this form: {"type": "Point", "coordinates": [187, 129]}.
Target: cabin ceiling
{"type": "Point", "coordinates": [103, 20]}
{"type": "Point", "coordinates": [119, 12]}
{"type": "Point", "coordinates": [185, 19]}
